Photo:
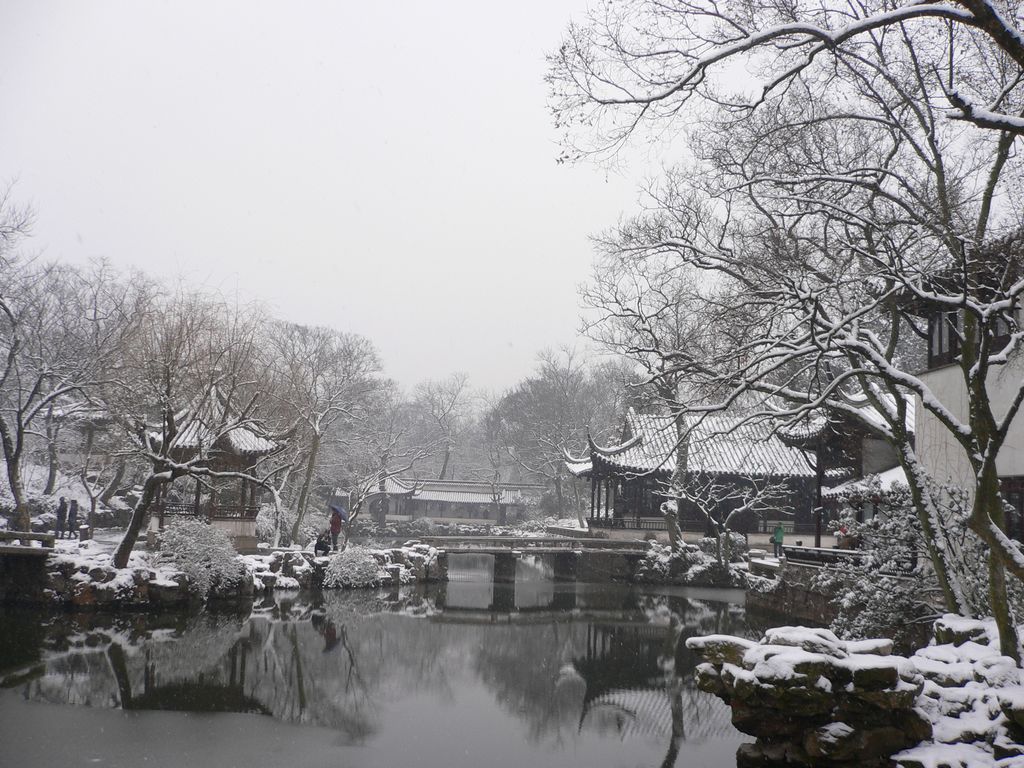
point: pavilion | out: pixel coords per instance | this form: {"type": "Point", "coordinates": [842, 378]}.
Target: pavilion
{"type": "Point", "coordinates": [228, 504]}
{"type": "Point", "coordinates": [629, 481]}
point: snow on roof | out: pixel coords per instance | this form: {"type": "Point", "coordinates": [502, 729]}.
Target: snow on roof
{"type": "Point", "coordinates": [815, 423]}
{"type": "Point", "coordinates": [718, 444]}
{"type": "Point", "coordinates": [870, 413]}
{"type": "Point", "coordinates": [882, 483]}
{"type": "Point", "coordinates": [451, 491]}
{"type": "Point", "coordinates": [240, 440]}
{"type": "Point", "coordinates": [204, 425]}
{"type": "Point", "coordinates": [578, 467]}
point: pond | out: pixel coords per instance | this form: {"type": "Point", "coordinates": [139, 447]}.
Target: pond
{"type": "Point", "coordinates": [466, 674]}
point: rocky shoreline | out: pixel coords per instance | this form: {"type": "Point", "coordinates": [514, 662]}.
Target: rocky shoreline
{"type": "Point", "coordinates": [83, 578]}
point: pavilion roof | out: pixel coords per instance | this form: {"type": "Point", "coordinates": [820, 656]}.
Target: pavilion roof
{"type": "Point", "coordinates": [204, 426]}
{"type": "Point", "coordinates": [717, 444]}
{"type": "Point", "coordinates": [819, 421]}
{"type": "Point", "coordinates": [881, 485]}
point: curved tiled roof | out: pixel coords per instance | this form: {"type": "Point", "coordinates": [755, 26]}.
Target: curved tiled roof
{"type": "Point", "coordinates": [718, 444]}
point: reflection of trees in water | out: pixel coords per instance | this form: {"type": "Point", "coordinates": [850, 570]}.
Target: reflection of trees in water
{"type": "Point", "coordinates": [525, 668]}
{"type": "Point", "coordinates": [342, 661]}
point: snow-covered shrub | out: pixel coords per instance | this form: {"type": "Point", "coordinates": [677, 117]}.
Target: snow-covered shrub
{"type": "Point", "coordinates": [422, 527]}
{"type": "Point", "coordinates": [204, 554]}
{"type": "Point", "coordinates": [888, 593]}
{"type": "Point", "coordinates": [727, 541]}
{"type": "Point", "coordinates": [355, 567]}
{"type": "Point", "coordinates": [873, 599]}
{"type": "Point", "coordinates": [265, 523]}
{"type": "Point", "coordinates": [662, 563]}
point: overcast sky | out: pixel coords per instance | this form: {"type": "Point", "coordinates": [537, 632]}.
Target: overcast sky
{"type": "Point", "coordinates": [384, 168]}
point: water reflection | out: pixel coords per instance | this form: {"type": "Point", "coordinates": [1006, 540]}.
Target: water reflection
{"type": "Point", "coordinates": [566, 667]}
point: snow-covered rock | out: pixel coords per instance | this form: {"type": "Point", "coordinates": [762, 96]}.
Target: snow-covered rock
{"type": "Point", "coordinates": [813, 699]}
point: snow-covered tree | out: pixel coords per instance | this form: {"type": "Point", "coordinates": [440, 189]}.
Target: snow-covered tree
{"type": "Point", "coordinates": [186, 384]}
{"type": "Point", "coordinates": [320, 380]}
{"type": "Point", "coordinates": [633, 64]}
{"type": "Point", "coordinates": [830, 210]}
{"type": "Point", "coordinates": [60, 328]}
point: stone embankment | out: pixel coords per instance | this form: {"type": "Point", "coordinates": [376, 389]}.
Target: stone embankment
{"type": "Point", "coordinates": [82, 578]}
{"type": "Point", "coordinates": [811, 699]}
{"type": "Point", "coordinates": [790, 590]}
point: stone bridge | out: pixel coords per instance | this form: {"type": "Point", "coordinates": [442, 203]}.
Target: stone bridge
{"type": "Point", "coordinates": [571, 559]}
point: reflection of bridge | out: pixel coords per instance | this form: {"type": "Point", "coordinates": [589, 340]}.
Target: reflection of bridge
{"type": "Point", "coordinates": [571, 559]}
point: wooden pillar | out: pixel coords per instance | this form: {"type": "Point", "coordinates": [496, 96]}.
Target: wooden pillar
{"type": "Point", "coordinates": [199, 492]}
{"type": "Point", "coordinates": [597, 485]}
{"type": "Point", "coordinates": [243, 494]}
{"type": "Point", "coordinates": [819, 471]}
{"type": "Point", "coordinates": [593, 486]}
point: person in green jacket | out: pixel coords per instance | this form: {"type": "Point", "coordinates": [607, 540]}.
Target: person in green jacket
{"type": "Point", "coordinates": [778, 535]}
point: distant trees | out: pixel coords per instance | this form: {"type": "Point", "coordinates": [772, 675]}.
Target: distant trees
{"type": "Point", "coordinates": [385, 443]}
{"type": "Point", "coordinates": [555, 410]}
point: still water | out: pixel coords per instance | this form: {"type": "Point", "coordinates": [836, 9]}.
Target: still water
{"type": "Point", "coordinates": [464, 675]}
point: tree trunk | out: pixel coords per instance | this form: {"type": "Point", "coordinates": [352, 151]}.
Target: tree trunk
{"type": "Point", "coordinates": [277, 517]}
{"type": "Point", "coordinates": [559, 498]}
{"type": "Point", "coordinates": [21, 509]}
{"type": "Point", "coordinates": [444, 464]}
{"type": "Point", "coordinates": [580, 516]}
{"type": "Point", "coordinates": [52, 462]}
{"type": "Point", "coordinates": [115, 482]}
{"type": "Point", "coordinates": [12, 459]}
{"type": "Point", "coordinates": [307, 482]}
{"type": "Point", "coordinates": [1009, 644]}
{"type": "Point", "coordinates": [675, 536]}
{"type": "Point", "coordinates": [124, 549]}
{"type": "Point", "coordinates": [924, 506]}
{"type": "Point", "coordinates": [989, 502]}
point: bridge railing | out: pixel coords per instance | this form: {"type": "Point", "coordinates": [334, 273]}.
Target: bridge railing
{"type": "Point", "coordinates": [833, 556]}
{"type": "Point", "coordinates": [529, 542]}
{"type": "Point", "coordinates": [24, 545]}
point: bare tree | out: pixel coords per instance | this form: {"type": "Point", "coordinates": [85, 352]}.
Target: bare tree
{"type": "Point", "coordinates": [384, 443]}
{"type": "Point", "coordinates": [184, 386]}
{"type": "Point", "coordinates": [444, 405]}
{"type": "Point", "coordinates": [55, 347]}
{"type": "Point", "coordinates": [723, 503]}
{"type": "Point", "coordinates": [320, 379]}
{"type": "Point", "coordinates": [827, 206]}
{"type": "Point", "coordinates": [632, 63]}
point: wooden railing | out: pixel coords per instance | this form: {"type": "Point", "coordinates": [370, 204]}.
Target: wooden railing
{"type": "Point", "coordinates": [207, 511]}
{"type": "Point", "coordinates": [631, 523]}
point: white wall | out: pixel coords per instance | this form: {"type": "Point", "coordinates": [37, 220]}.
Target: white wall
{"type": "Point", "coordinates": [940, 454]}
